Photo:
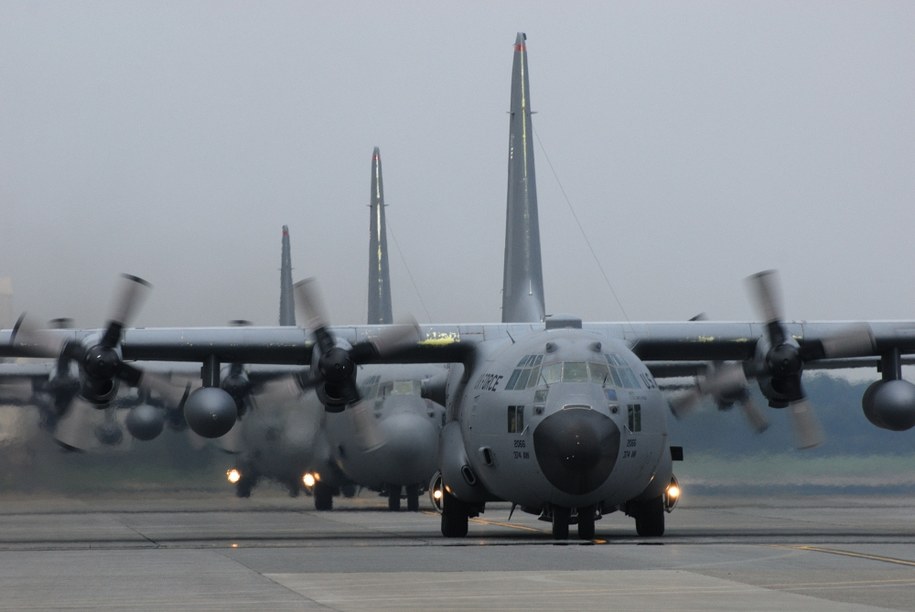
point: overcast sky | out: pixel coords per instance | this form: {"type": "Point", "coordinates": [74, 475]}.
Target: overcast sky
{"type": "Point", "coordinates": [696, 142]}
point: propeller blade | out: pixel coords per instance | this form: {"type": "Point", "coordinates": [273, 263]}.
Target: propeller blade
{"type": "Point", "coordinates": [723, 379]}
{"type": "Point", "coordinates": [37, 342]}
{"type": "Point", "coordinates": [754, 415]}
{"type": "Point", "coordinates": [766, 294]}
{"type": "Point", "coordinates": [807, 430]}
{"type": "Point", "coordinates": [74, 430]}
{"type": "Point", "coordinates": [684, 404]}
{"type": "Point", "coordinates": [305, 379]}
{"type": "Point", "coordinates": [132, 290]}
{"type": "Point", "coordinates": [765, 291]}
{"type": "Point", "coordinates": [368, 433]}
{"type": "Point", "coordinates": [310, 304]}
{"type": "Point", "coordinates": [391, 339]}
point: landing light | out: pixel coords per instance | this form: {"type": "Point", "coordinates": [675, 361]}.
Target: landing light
{"type": "Point", "coordinates": [309, 480]}
{"type": "Point", "coordinates": [437, 492]}
{"type": "Point", "coordinates": [233, 475]}
{"type": "Point", "coordinates": [672, 494]}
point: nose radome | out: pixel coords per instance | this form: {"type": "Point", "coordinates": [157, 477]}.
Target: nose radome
{"type": "Point", "coordinates": [410, 446]}
{"type": "Point", "coordinates": [576, 449]}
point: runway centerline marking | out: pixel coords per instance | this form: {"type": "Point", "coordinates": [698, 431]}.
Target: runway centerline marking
{"type": "Point", "coordinates": [850, 553]}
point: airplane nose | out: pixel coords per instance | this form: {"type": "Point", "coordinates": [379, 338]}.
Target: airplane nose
{"type": "Point", "coordinates": [410, 447]}
{"type": "Point", "coordinates": [576, 449]}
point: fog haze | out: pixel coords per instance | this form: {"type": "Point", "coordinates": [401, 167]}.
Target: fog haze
{"type": "Point", "coordinates": [695, 143]}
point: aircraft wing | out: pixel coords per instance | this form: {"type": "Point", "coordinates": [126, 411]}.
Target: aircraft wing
{"type": "Point", "coordinates": [674, 343]}
{"type": "Point", "coordinates": [673, 346]}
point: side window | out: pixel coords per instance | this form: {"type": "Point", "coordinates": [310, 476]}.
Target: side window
{"type": "Point", "coordinates": [635, 417]}
{"type": "Point", "coordinates": [515, 419]}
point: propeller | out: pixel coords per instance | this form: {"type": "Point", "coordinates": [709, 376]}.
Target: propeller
{"type": "Point", "coordinates": [783, 358]}
{"type": "Point", "coordinates": [779, 363]}
{"type": "Point", "coordinates": [333, 370]}
{"type": "Point", "coordinates": [727, 383]}
{"type": "Point", "coordinates": [97, 357]}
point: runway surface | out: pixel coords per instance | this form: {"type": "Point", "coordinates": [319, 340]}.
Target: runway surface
{"type": "Point", "coordinates": [211, 551]}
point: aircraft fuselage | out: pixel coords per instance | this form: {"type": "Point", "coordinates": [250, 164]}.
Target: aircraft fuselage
{"type": "Point", "coordinates": [560, 418]}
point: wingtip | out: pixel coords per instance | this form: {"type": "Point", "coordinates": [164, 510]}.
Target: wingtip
{"type": "Point", "coordinates": [520, 41]}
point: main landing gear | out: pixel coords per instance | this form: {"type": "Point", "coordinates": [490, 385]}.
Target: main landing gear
{"type": "Point", "coordinates": [455, 515]}
{"type": "Point", "coordinates": [412, 498]}
{"type": "Point", "coordinates": [649, 517]}
{"type": "Point", "coordinates": [562, 518]}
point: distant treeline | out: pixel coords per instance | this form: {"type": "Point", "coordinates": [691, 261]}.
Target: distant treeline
{"type": "Point", "coordinates": [837, 403]}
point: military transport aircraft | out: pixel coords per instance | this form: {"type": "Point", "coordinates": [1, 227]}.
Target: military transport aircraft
{"type": "Point", "coordinates": [562, 418]}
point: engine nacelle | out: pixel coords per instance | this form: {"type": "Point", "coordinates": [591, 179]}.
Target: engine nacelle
{"type": "Point", "coordinates": [770, 390]}
{"type": "Point", "coordinates": [98, 391]}
{"type": "Point", "coordinates": [145, 422]}
{"type": "Point", "coordinates": [457, 475]}
{"type": "Point", "coordinates": [210, 412]}
{"type": "Point", "coordinates": [239, 387]}
{"type": "Point", "coordinates": [890, 404]}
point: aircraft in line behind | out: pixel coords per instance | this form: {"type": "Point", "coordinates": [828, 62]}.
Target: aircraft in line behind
{"type": "Point", "coordinates": [387, 443]}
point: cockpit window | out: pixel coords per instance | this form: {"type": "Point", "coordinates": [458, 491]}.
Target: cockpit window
{"type": "Point", "coordinates": [621, 372]}
{"type": "Point", "coordinates": [600, 373]}
{"type": "Point", "coordinates": [578, 371]}
{"type": "Point", "coordinates": [551, 373]}
{"type": "Point", "coordinates": [526, 374]}
{"type": "Point", "coordinates": [575, 371]}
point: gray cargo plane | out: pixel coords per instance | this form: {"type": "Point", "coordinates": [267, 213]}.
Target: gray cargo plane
{"type": "Point", "coordinates": [562, 418]}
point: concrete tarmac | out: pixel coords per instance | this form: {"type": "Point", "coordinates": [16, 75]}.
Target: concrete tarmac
{"type": "Point", "coordinates": [183, 550]}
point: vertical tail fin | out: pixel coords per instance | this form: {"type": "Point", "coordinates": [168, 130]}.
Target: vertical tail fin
{"type": "Point", "coordinates": [522, 277]}
{"type": "Point", "coordinates": [379, 275]}
{"type": "Point", "coordinates": [287, 300]}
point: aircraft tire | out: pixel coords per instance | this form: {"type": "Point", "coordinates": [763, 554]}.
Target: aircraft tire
{"type": "Point", "coordinates": [324, 497]}
{"type": "Point", "coordinates": [586, 523]}
{"type": "Point", "coordinates": [649, 518]}
{"type": "Point", "coordinates": [412, 498]}
{"type": "Point", "coordinates": [394, 499]}
{"type": "Point", "coordinates": [243, 487]}
{"type": "Point", "coordinates": [561, 523]}
{"type": "Point", "coordinates": [454, 517]}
